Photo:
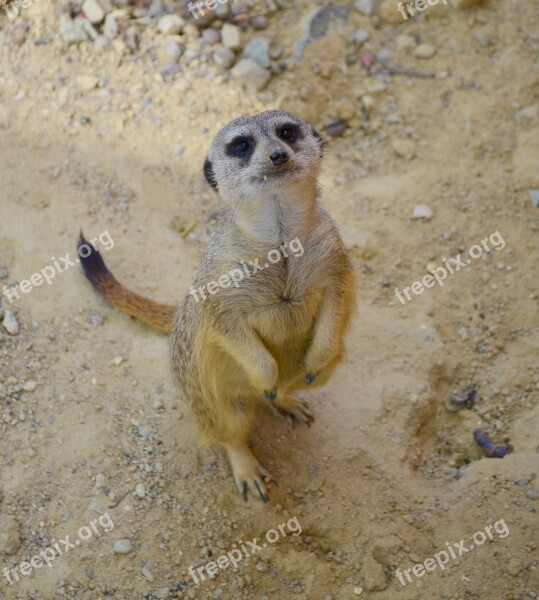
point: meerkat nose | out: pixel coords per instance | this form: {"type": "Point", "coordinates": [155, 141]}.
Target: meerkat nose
{"type": "Point", "coordinates": [279, 157]}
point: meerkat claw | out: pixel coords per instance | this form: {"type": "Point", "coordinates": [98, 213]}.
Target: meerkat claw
{"type": "Point", "coordinates": [294, 411]}
{"type": "Point", "coordinates": [270, 396]}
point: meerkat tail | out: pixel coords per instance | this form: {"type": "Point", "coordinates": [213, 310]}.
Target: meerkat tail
{"type": "Point", "coordinates": [118, 296]}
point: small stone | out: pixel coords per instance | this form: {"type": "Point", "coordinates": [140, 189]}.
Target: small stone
{"type": "Point", "coordinates": [140, 490]}
{"type": "Point", "coordinates": [422, 211]}
{"type": "Point", "coordinates": [96, 506]}
{"type": "Point", "coordinates": [325, 19]}
{"type": "Point", "coordinates": [4, 272]}
{"type": "Point", "coordinates": [410, 519]}
{"type": "Point", "coordinates": [173, 49]}
{"type": "Point", "coordinates": [93, 11]}
{"type": "Point", "coordinates": [71, 31]}
{"type": "Point", "coordinates": [262, 567]}
{"type": "Point", "coordinates": [222, 11]}
{"type": "Point", "coordinates": [336, 127]}
{"type": "Point", "coordinates": [424, 51]}
{"type": "Point", "coordinates": [100, 480]}
{"type": "Point", "coordinates": [514, 567]}
{"type": "Point", "coordinates": [146, 573]}
{"type": "Point", "coordinates": [161, 593]}
{"type": "Point", "coordinates": [117, 361]}
{"type": "Point", "coordinates": [359, 37]}
{"type": "Point", "coordinates": [29, 386]}
{"type": "Point", "coordinates": [389, 12]}
{"type": "Point", "coordinates": [231, 36]}
{"type": "Point", "coordinates": [358, 591]}
{"type": "Point", "coordinates": [403, 148]}
{"type": "Point", "coordinates": [95, 319]}
{"type": "Point", "coordinates": [532, 494]}
{"type": "Point", "coordinates": [10, 540]}
{"type": "Point", "coordinates": [87, 82]}
{"type": "Point", "coordinates": [122, 547]}
{"type": "Point", "coordinates": [251, 74]}
{"type": "Point", "coordinates": [170, 24]}
{"type": "Point", "coordinates": [534, 197]}
{"type": "Point", "coordinates": [259, 23]}
{"type": "Point", "coordinates": [404, 42]}
{"type": "Point", "coordinates": [365, 7]}
{"type": "Point", "coordinates": [211, 36]}
{"type": "Point", "coordinates": [528, 113]}
{"type": "Point", "coordinates": [10, 323]}
{"type": "Point", "coordinates": [257, 49]}
{"type": "Point", "coordinates": [224, 58]}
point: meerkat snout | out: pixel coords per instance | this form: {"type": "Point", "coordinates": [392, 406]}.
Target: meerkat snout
{"type": "Point", "coordinates": [279, 157]}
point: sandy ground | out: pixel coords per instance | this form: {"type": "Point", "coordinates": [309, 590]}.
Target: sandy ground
{"type": "Point", "coordinates": [390, 474]}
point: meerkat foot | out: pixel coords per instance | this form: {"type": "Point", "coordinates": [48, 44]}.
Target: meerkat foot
{"type": "Point", "coordinates": [294, 410]}
{"type": "Point", "coordinates": [249, 475]}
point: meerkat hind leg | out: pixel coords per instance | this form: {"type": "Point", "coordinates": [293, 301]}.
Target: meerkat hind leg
{"type": "Point", "coordinates": [293, 409]}
{"type": "Point", "coordinates": [248, 473]}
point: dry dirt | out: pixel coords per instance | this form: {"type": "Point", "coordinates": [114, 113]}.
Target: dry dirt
{"type": "Point", "coordinates": [388, 474]}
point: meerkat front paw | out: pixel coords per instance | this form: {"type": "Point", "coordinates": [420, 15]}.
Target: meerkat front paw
{"type": "Point", "coordinates": [249, 475]}
{"type": "Point", "coordinates": [294, 410]}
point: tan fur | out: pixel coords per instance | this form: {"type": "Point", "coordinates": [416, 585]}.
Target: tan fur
{"type": "Point", "coordinates": [284, 323]}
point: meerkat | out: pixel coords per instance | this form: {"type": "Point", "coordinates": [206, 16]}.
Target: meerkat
{"type": "Point", "coordinates": [275, 332]}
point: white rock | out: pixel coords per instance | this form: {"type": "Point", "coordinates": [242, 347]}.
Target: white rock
{"type": "Point", "coordinates": [534, 197]}
{"type": "Point", "coordinates": [10, 323]}
{"type": "Point", "coordinates": [365, 7]}
{"type": "Point", "coordinates": [251, 74]}
{"type": "Point", "coordinates": [224, 57]}
{"type": "Point", "coordinates": [29, 386]}
{"type": "Point", "coordinates": [231, 36]}
{"type": "Point", "coordinates": [422, 211]}
{"type": "Point", "coordinates": [140, 490]}
{"type": "Point", "coordinates": [170, 24]}
{"type": "Point", "coordinates": [117, 361]}
{"type": "Point", "coordinates": [403, 148]}
{"type": "Point", "coordinates": [122, 547]}
{"type": "Point", "coordinates": [404, 42]}
{"type": "Point", "coordinates": [93, 11]}
{"type": "Point", "coordinates": [87, 82]}
{"type": "Point", "coordinates": [71, 31]}
{"type": "Point", "coordinates": [424, 51]}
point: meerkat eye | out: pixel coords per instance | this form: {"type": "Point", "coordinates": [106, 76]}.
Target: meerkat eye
{"type": "Point", "coordinates": [289, 133]}
{"type": "Point", "coordinates": [241, 147]}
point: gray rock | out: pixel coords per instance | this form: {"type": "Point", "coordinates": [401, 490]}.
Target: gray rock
{"type": "Point", "coordinates": [211, 36]}
{"type": "Point", "coordinates": [424, 51]}
{"type": "Point", "coordinates": [71, 31]}
{"type": "Point", "coordinates": [162, 593]}
{"type": "Point", "coordinates": [4, 272]}
{"type": "Point", "coordinates": [222, 11]}
{"type": "Point", "coordinates": [365, 7]}
{"type": "Point", "coordinates": [359, 37]}
{"type": "Point", "coordinates": [258, 50]}
{"type": "Point", "coordinates": [532, 494]}
{"type": "Point", "coordinates": [422, 211]}
{"type": "Point", "coordinates": [231, 36]}
{"type": "Point", "coordinates": [326, 18]}
{"type": "Point", "coordinates": [10, 540]}
{"type": "Point", "coordinates": [10, 323]}
{"type": "Point", "coordinates": [224, 58]}
{"type": "Point", "coordinates": [534, 197]}
{"type": "Point", "coordinates": [170, 24]}
{"type": "Point", "coordinates": [336, 127]}
{"type": "Point", "coordinates": [251, 74]}
{"type": "Point", "coordinates": [259, 22]}
{"type": "Point", "coordinates": [173, 49]}
{"type": "Point", "coordinates": [93, 11]}
{"type": "Point", "coordinates": [122, 546]}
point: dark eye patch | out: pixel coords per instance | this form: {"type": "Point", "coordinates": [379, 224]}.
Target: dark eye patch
{"type": "Point", "coordinates": [289, 133]}
{"type": "Point", "coordinates": [241, 146]}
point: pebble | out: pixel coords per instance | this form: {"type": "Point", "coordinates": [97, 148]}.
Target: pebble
{"type": "Point", "coordinates": [10, 540]}
{"type": "Point", "coordinates": [173, 49]}
{"type": "Point", "coordinates": [170, 24]}
{"type": "Point", "coordinates": [262, 567]}
{"type": "Point", "coordinates": [534, 197]}
{"type": "Point", "coordinates": [532, 494]}
{"type": "Point", "coordinates": [10, 323]}
{"type": "Point", "coordinates": [224, 57]}
{"type": "Point", "coordinates": [117, 361]}
{"type": "Point", "coordinates": [211, 36]}
{"type": "Point", "coordinates": [87, 82]}
{"type": "Point", "coordinates": [257, 49]}
{"type": "Point", "coordinates": [422, 211]}
{"type": "Point", "coordinates": [325, 19]}
{"type": "Point", "coordinates": [251, 74]}
{"type": "Point", "coordinates": [231, 36]}
{"type": "Point", "coordinates": [4, 272]}
{"type": "Point", "coordinates": [147, 574]}
{"type": "Point", "coordinates": [71, 31]}
{"type": "Point", "coordinates": [96, 506]}
{"type": "Point", "coordinates": [404, 42]}
{"type": "Point", "coordinates": [161, 593]}
{"type": "Point", "coordinates": [93, 11]}
{"type": "Point", "coordinates": [425, 51]}
{"type": "Point", "coordinates": [365, 7]}
{"type": "Point", "coordinates": [359, 37]}
{"type": "Point", "coordinates": [403, 148]}
{"type": "Point", "coordinates": [358, 591]}
{"type": "Point", "coordinates": [336, 127]}
{"type": "Point", "coordinates": [122, 547]}
{"type": "Point", "coordinates": [259, 23]}
{"type": "Point", "coordinates": [29, 386]}
{"type": "Point", "coordinates": [514, 567]}
{"type": "Point", "coordinates": [140, 490]}
{"type": "Point", "coordinates": [528, 113]}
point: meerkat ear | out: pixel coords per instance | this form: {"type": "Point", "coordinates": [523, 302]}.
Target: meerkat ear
{"type": "Point", "coordinates": [209, 174]}
{"type": "Point", "coordinates": [319, 138]}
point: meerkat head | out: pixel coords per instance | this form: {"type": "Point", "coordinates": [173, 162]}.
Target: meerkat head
{"type": "Point", "coordinates": [269, 151]}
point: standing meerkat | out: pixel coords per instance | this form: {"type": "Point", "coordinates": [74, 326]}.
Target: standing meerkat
{"type": "Point", "coordinates": [274, 331]}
